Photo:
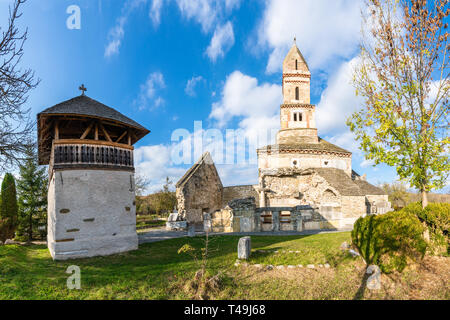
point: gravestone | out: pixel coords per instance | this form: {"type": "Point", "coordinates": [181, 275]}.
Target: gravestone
{"type": "Point", "coordinates": [173, 217]}
{"type": "Point", "coordinates": [244, 248]}
{"type": "Point", "coordinates": [191, 230]}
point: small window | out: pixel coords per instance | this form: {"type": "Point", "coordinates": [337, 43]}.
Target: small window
{"type": "Point", "coordinates": [296, 66]}
{"type": "Point", "coordinates": [298, 116]}
{"type": "Point", "coordinates": [297, 94]}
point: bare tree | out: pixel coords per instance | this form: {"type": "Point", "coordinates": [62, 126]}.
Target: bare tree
{"type": "Point", "coordinates": [16, 125]}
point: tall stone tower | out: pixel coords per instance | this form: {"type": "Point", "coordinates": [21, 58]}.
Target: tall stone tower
{"type": "Point", "coordinates": [297, 115]}
{"type": "Point", "coordinates": [298, 146]}
{"type": "Point", "coordinates": [91, 199]}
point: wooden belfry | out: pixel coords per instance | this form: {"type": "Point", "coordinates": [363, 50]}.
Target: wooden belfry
{"type": "Point", "coordinates": [89, 149]}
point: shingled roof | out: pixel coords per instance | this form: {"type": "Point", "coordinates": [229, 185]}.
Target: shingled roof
{"type": "Point", "coordinates": [322, 146]}
{"type": "Point", "coordinates": [345, 185]}
{"type": "Point", "coordinates": [85, 106]}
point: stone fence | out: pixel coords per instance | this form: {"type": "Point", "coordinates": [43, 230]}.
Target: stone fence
{"type": "Point", "coordinates": [243, 216]}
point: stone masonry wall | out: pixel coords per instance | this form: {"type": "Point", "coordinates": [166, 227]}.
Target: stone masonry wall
{"type": "Point", "coordinates": [91, 213]}
{"type": "Point", "coordinates": [202, 193]}
{"type": "Point", "coordinates": [239, 192]}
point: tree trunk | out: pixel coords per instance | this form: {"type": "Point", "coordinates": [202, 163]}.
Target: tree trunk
{"type": "Point", "coordinates": [30, 227]}
{"type": "Point", "coordinates": [424, 199]}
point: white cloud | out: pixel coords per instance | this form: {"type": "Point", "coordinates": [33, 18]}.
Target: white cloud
{"type": "Point", "coordinates": [155, 12]}
{"type": "Point", "coordinates": [154, 163]}
{"type": "Point", "coordinates": [366, 163]}
{"type": "Point", "coordinates": [324, 30]}
{"type": "Point", "coordinates": [346, 140]}
{"type": "Point", "coordinates": [210, 14]}
{"type": "Point", "coordinates": [148, 95]}
{"type": "Point", "coordinates": [117, 33]}
{"type": "Point", "coordinates": [338, 101]}
{"type": "Point", "coordinates": [221, 42]}
{"type": "Point", "coordinates": [256, 106]}
{"type": "Point", "coordinates": [242, 96]}
{"type": "Point", "coordinates": [202, 11]}
{"type": "Point", "coordinates": [191, 84]}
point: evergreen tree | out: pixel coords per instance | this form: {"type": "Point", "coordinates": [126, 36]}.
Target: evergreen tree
{"type": "Point", "coordinates": [8, 208]}
{"type": "Point", "coordinates": [32, 190]}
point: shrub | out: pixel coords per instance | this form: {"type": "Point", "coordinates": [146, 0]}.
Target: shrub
{"type": "Point", "coordinates": [8, 208]}
{"type": "Point", "coordinates": [436, 218]}
{"type": "Point", "coordinates": [391, 240]}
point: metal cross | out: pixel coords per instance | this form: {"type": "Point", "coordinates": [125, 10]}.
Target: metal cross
{"type": "Point", "coordinates": [83, 89]}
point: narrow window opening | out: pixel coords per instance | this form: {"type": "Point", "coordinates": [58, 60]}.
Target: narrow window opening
{"type": "Point", "coordinates": [297, 94]}
{"type": "Point", "coordinates": [300, 117]}
{"type": "Point", "coordinates": [295, 116]}
{"type": "Point", "coordinates": [296, 65]}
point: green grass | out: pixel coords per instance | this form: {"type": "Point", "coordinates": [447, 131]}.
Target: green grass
{"type": "Point", "coordinates": [157, 271]}
{"type": "Point", "coordinates": [149, 221]}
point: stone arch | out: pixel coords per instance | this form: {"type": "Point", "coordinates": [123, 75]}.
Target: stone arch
{"type": "Point", "coordinates": [329, 196]}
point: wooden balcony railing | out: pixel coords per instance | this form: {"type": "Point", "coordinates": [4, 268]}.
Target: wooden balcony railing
{"type": "Point", "coordinates": [91, 153]}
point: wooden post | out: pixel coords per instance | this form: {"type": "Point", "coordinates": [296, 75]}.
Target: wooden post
{"type": "Point", "coordinates": [105, 133]}
{"type": "Point", "coordinates": [129, 138]}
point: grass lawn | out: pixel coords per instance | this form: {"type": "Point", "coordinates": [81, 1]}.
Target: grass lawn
{"type": "Point", "coordinates": [157, 271]}
{"type": "Point", "coordinates": [148, 221]}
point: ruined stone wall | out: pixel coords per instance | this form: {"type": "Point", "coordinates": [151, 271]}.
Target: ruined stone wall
{"type": "Point", "coordinates": [201, 193]}
{"type": "Point", "coordinates": [298, 189]}
{"type": "Point", "coordinates": [378, 204]}
{"type": "Point", "coordinates": [239, 192]}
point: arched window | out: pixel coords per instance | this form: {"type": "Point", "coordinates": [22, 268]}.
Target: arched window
{"type": "Point", "coordinates": [297, 94]}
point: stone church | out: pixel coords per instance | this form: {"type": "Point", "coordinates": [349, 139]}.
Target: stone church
{"type": "Point", "coordinates": [302, 175]}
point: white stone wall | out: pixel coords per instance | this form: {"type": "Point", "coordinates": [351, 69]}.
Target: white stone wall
{"type": "Point", "coordinates": [304, 161]}
{"type": "Point", "coordinates": [91, 213]}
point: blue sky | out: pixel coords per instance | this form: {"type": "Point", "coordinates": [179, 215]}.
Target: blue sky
{"type": "Point", "coordinates": [168, 63]}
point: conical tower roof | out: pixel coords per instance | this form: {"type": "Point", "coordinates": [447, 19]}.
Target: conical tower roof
{"type": "Point", "coordinates": [293, 55]}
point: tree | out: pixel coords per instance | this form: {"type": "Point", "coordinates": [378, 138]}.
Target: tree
{"type": "Point", "coordinates": [141, 183]}
{"type": "Point", "coordinates": [165, 199]}
{"type": "Point", "coordinates": [15, 84]}
{"type": "Point", "coordinates": [8, 208]}
{"type": "Point", "coordinates": [32, 190]}
{"type": "Point", "coordinates": [403, 77]}
{"type": "Point", "coordinates": [397, 192]}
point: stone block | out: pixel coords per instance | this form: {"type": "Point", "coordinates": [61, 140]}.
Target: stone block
{"type": "Point", "coordinates": [244, 248]}
{"type": "Point", "coordinates": [275, 221]}
{"type": "Point", "coordinates": [312, 225]}
{"type": "Point", "coordinates": [299, 224]}
{"type": "Point", "coordinates": [191, 230]}
{"type": "Point", "coordinates": [236, 224]}
{"type": "Point", "coordinates": [246, 224]}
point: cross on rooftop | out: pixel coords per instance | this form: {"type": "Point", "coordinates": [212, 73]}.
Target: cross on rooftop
{"type": "Point", "coordinates": [83, 89]}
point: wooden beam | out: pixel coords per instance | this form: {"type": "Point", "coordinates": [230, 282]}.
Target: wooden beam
{"type": "Point", "coordinates": [86, 132]}
{"type": "Point", "coordinates": [96, 132]}
{"type": "Point", "coordinates": [121, 136]}
{"type": "Point", "coordinates": [57, 130]}
{"type": "Point", "coordinates": [93, 142]}
{"type": "Point", "coordinates": [129, 138]}
{"type": "Point", "coordinates": [105, 133]}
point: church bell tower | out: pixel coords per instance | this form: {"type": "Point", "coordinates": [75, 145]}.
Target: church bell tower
{"type": "Point", "coordinates": [297, 115]}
